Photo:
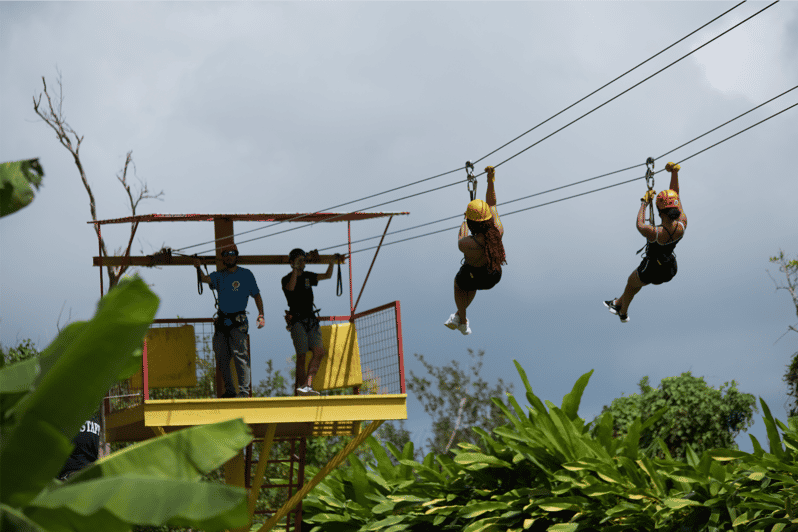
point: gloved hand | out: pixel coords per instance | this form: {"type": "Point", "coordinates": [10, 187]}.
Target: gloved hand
{"type": "Point", "coordinates": [649, 195]}
{"type": "Point", "coordinates": [670, 167]}
{"type": "Point", "coordinates": [491, 173]}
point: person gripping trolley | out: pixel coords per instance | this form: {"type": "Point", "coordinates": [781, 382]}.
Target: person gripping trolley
{"type": "Point", "coordinates": [659, 262]}
{"type": "Point", "coordinates": [234, 286]}
{"type": "Point", "coordinates": [301, 317]}
{"type": "Point", "coordinates": [483, 254]}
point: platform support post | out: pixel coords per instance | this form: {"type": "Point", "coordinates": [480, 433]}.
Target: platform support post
{"type": "Point", "coordinates": [332, 464]}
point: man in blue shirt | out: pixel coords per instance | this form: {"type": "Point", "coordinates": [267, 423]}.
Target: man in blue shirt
{"type": "Point", "coordinates": [234, 285]}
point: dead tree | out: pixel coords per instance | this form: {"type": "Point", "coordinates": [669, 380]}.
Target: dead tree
{"type": "Point", "coordinates": [53, 116]}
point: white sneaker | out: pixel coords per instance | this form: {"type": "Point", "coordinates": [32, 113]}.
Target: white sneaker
{"type": "Point", "coordinates": [464, 328]}
{"type": "Point", "coordinates": [453, 322]}
{"type": "Point", "coordinates": [306, 390]}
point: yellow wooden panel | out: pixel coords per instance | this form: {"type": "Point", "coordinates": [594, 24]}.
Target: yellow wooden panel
{"type": "Point", "coordinates": [171, 358]}
{"type": "Point", "coordinates": [340, 368]}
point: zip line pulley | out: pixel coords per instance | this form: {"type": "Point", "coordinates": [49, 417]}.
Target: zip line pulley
{"type": "Point", "coordinates": [650, 185]}
{"type": "Point", "coordinates": [472, 180]}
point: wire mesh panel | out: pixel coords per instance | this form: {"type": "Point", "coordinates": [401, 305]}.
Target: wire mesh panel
{"type": "Point", "coordinates": [379, 336]}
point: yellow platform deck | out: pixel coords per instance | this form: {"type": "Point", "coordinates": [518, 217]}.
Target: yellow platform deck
{"type": "Point", "coordinates": [293, 416]}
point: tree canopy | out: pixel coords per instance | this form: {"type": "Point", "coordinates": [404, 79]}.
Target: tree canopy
{"type": "Point", "coordinates": [698, 416]}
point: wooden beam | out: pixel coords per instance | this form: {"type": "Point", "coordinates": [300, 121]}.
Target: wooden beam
{"type": "Point", "coordinates": [161, 260]}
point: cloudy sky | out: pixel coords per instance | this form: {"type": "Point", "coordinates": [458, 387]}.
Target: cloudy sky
{"type": "Point", "coordinates": [295, 107]}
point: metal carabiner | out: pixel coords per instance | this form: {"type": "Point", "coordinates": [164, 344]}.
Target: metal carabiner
{"type": "Point", "coordinates": [650, 173]}
{"type": "Point", "coordinates": [472, 180]}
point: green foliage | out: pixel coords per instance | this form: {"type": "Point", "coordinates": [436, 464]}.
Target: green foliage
{"type": "Point", "coordinates": [698, 416]}
{"type": "Point", "coordinates": [25, 350]}
{"type": "Point", "coordinates": [17, 181]}
{"type": "Point", "coordinates": [547, 471]}
{"type": "Point", "coordinates": [456, 401]}
{"type": "Point", "coordinates": [46, 399]}
{"type": "Point", "coordinates": [789, 267]}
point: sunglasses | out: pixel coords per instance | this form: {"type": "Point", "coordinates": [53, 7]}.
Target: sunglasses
{"type": "Point", "coordinates": [229, 253]}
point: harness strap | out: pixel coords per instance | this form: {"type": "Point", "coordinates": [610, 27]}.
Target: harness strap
{"type": "Point", "coordinates": [339, 287]}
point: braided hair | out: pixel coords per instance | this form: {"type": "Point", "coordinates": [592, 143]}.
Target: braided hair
{"type": "Point", "coordinates": [494, 249]}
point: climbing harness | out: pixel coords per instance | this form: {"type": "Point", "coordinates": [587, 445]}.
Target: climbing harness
{"type": "Point", "coordinates": [472, 180]}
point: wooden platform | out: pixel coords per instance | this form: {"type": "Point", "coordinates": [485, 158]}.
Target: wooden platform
{"type": "Point", "coordinates": [293, 416]}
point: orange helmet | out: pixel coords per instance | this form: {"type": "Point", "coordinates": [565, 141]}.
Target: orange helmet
{"type": "Point", "coordinates": [478, 211]}
{"type": "Point", "coordinates": [667, 199]}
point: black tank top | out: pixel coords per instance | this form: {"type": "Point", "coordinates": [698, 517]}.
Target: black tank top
{"type": "Point", "coordinates": [655, 249]}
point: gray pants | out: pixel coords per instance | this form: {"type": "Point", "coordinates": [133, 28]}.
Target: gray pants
{"type": "Point", "coordinates": [238, 345]}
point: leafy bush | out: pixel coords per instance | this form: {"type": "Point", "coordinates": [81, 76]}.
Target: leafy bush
{"type": "Point", "coordinates": [546, 470]}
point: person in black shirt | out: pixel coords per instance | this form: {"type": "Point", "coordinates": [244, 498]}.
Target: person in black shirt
{"type": "Point", "coordinates": [87, 447]}
{"type": "Point", "coordinates": [303, 322]}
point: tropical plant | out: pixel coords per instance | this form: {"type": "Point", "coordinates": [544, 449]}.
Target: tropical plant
{"type": "Point", "coordinates": [699, 416]}
{"type": "Point", "coordinates": [547, 471]}
{"type": "Point", "coordinates": [45, 400]}
{"type": "Point", "coordinates": [17, 183]}
{"type": "Point", "coordinates": [23, 351]}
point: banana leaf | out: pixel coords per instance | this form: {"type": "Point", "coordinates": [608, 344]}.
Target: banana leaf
{"type": "Point", "coordinates": [84, 361]}
{"type": "Point", "coordinates": [112, 503]}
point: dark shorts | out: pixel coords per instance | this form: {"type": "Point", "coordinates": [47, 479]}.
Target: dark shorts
{"type": "Point", "coordinates": [306, 335]}
{"type": "Point", "coordinates": [657, 270]}
{"type": "Point", "coordinates": [471, 278]}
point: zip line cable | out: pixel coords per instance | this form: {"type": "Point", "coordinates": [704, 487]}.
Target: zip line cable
{"type": "Point", "coordinates": [577, 182]}
{"type": "Point", "coordinates": [610, 82]}
{"type": "Point", "coordinates": [584, 193]}
{"type": "Point", "coordinates": [638, 83]}
{"type": "Point", "coordinates": [299, 217]}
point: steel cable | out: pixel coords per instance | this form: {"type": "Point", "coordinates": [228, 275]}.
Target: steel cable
{"type": "Point", "coordinates": [299, 217]}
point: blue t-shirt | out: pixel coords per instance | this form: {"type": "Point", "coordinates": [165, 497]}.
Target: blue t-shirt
{"type": "Point", "coordinates": [234, 289]}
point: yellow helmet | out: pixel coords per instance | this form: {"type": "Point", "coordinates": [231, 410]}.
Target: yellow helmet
{"type": "Point", "coordinates": [478, 211]}
{"type": "Point", "coordinates": [667, 198]}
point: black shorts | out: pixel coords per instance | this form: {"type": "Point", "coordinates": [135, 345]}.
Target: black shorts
{"type": "Point", "coordinates": [657, 270]}
{"type": "Point", "coordinates": [471, 278]}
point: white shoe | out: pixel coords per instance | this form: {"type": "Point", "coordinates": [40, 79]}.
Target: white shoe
{"type": "Point", "coordinates": [464, 328]}
{"type": "Point", "coordinates": [306, 390]}
{"type": "Point", "coordinates": [453, 322]}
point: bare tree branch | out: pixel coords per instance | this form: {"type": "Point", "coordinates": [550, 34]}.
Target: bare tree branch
{"type": "Point", "coordinates": [53, 115]}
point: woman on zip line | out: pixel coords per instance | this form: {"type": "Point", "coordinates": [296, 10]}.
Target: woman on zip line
{"type": "Point", "coordinates": [483, 254]}
{"type": "Point", "coordinates": [659, 262]}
